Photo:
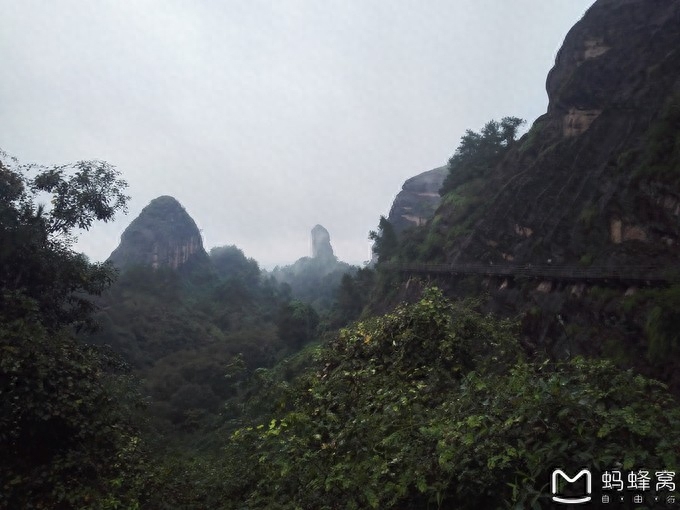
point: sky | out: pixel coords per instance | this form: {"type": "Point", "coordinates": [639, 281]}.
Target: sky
{"type": "Point", "coordinates": [265, 118]}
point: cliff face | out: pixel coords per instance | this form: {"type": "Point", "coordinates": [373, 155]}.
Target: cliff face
{"type": "Point", "coordinates": [418, 199]}
{"type": "Point", "coordinates": [163, 235]}
{"type": "Point", "coordinates": [596, 179]}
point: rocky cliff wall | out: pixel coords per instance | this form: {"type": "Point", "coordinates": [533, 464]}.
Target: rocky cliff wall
{"type": "Point", "coordinates": [595, 180]}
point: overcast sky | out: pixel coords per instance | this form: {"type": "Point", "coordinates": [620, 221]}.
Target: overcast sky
{"type": "Point", "coordinates": [264, 118]}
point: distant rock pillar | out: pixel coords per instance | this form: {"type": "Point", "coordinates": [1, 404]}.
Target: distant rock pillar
{"type": "Point", "coordinates": [321, 243]}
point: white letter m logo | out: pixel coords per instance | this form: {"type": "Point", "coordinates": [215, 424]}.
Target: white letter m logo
{"type": "Point", "coordinates": [576, 500]}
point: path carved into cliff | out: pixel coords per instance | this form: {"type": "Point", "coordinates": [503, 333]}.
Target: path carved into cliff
{"type": "Point", "coordinates": [635, 275]}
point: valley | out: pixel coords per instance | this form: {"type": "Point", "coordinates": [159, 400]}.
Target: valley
{"type": "Point", "coordinates": [520, 315]}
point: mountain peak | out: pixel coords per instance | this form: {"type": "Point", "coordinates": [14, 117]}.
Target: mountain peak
{"type": "Point", "coordinates": [163, 235]}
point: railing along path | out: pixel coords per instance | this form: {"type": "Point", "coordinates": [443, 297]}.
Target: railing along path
{"type": "Point", "coordinates": [648, 275]}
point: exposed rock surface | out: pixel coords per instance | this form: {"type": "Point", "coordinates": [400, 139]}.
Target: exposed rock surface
{"type": "Point", "coordinates": [321, 243]}
{"type": "Point", "coordinates": [163, 235]}
{"type": "Point", "coordinates": [418, 199]}
{"type": "Point", "coordinates": [596, 177]}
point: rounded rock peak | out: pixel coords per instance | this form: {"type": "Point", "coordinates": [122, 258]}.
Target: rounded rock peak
{"type": "Point", "coordinates": [165, 199]}
{"type": "Point", "coordinates": [163, 235]}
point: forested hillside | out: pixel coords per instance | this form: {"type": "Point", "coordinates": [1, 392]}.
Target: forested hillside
{"type": "Point", "coordinates": [174, 377]}
{"type": "Point", "coordinates": [182, 338]}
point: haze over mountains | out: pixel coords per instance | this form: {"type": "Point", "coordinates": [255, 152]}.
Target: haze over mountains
{"type": "Point", "coordinates": [594, 84]}
{"type": "Point", "coordinates": [497, 335]}
{"type": "Point", "coordinates": [225, 107]}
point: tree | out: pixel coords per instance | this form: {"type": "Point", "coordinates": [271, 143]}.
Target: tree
{"type": "Point", "coordinates": [232, 264]}
{"type": "Point", "coordinates": [385, 240]}
{"type": "Point", "coordinates": [297, 323]}
{"type": "Point", "coordinates": [480, 152]}
{"type": "Point", "coordinates": [352, 296]}
{"type": "Point", "coordinates": [67, 438]}
{"type": "Point", "coordinates": [36, 256]}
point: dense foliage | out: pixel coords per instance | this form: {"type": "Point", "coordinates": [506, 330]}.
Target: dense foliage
{"type": "Point", "coordinates": [478, 153]}
{"type": "Point", "coordinates": [462, 198]}
{"type": "Point", "coordinates": [433, 406]}
{"type": "Point", "coordinates": [67, 422]}
{"type": "Point", "coordinates": [662, 149]}
{"type": "Point", "coordinates": [385, 240]}
{"type": "Point", "coordinates": [352, 296]}
{"type": "Point", "coordinates": [36, 259]}
{"type": "Point", "coordinates": [67, 432]}
{"type": "Point", "coordinates": [297, 323]}
{"type": "Point", "coordinates": [182, 332]}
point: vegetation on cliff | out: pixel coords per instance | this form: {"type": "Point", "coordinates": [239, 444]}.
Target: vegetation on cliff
{"type": "Point", "coordinates": [462, 201]}
{"type": "Point", "coordinates": [479, 153]}
{"type": "Point", "coordinates": [592, 184]}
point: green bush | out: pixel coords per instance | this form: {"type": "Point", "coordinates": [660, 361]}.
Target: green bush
{"type": "Point", "coordinates": [433, 405]}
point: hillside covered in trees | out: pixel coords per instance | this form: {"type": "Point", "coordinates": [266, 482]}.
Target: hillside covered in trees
{"type": "Point", "coordinates": [175, 377]}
